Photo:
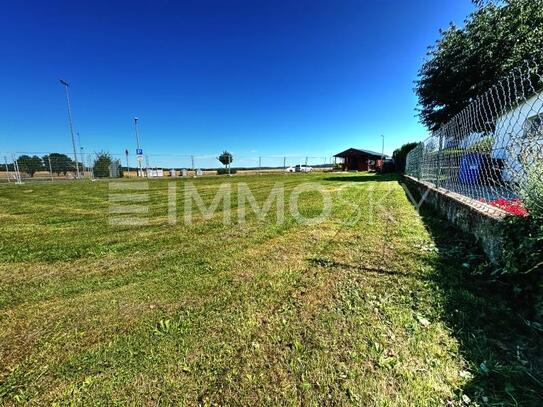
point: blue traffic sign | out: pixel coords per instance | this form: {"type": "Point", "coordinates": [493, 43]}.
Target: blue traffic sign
{"type": "Point", "coordinates": [139, 151]}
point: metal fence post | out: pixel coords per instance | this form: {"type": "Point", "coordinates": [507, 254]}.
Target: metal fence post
{"type": "Point", "coordinates": [17, 172]}
{"type": "Point", "coordinates": [50, 167]}
{"type": "Point", "coordinates": [91, 166]}
{"type": "Point", "coordinates": [7, 168]}
{"type": "Point", "coordinates": [439, 160]}
{"type": "Point", "coordinates": [127, 166]}
{"type": "Point", "coordinates": [478, 151]}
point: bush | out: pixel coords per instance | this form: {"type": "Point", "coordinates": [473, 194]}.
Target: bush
{"type": "Point", "coordinates": [101, 165]}
{"type": "Point", "coordinates": [523, 261]}
{"type": "Point", "coordinates": [399, 155]}
{"type": "Point", "coordinates": [387, 167]}
{"type": "Point", "coordinates": [483, 146]}
{"type": "Point", "coordinates": [532, 188]}
{"type": "Point", "coordinates": [522, 246]}
{"type": "Point", "coordinates": [223, 171]}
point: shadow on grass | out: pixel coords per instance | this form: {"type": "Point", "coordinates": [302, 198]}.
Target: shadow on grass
{"type": "Point", "coordinates": [357, 268]}
{"type": "Point", "coordinates": [363, 177]}
{"type": "Point", "coordinates": [502, 347]}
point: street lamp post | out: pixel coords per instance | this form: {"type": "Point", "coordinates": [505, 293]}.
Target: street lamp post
{"type": "Point", "coordinates": [66, 86]}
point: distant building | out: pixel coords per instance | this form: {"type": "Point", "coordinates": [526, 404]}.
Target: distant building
{"type": "Point", "coordinates": [354, 159]}
{"type": "Point", "coordinates": [155, 172]}
{"type": "Point", "coordinates": [115, 169]}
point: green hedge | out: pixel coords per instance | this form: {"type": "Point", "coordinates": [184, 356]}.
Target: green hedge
{"type": "Point", "coordinates": [224, 171]}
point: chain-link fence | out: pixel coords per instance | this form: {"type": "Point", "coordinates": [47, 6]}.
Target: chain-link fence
{"type": "Point", "coordinates": [41, 166]}
{"type": "Point", "coordinates": [36, 166]}
{"type": "Point", "coordinates": [492, 150]}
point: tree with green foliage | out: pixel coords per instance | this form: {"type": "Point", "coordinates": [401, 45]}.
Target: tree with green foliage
{"type": "Point", "coordinates": [465, 62]}
{"type": "Point", "coordinates": [400, 155]}
{"type": "Point", "coordinates": [226, 159]}
{"type": "Point", "coordinates": [101, 164]}
{"type": "Point", "coordinates": [29, 164]}
{"type": "Point", "coordinates": [60, 163]}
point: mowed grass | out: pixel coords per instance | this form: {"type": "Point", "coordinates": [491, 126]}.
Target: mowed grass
{"type": "Point", "coordinates": [367, 307]}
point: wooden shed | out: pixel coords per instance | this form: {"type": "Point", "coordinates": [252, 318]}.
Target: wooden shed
{"type": "Point", "coordinates": [354, 159]}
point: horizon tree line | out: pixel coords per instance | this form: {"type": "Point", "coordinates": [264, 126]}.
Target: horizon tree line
{"type": "Point", "coordinates": [58, 163]}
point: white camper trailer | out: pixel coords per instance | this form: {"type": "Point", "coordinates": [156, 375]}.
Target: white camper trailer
{"type": "Point", "coordinates": [518, 138]}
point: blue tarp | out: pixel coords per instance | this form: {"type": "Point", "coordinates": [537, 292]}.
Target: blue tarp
{"type": "Point", "coordinates": [471, 167]}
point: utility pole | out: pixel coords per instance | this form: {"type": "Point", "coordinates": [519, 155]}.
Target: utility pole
{"type": "Point", "coordinates": [259, 165]}
{"type": "Point", "coordinates": [127, 166]}
{"type": "Point", "coordinates": [81, 154]}
{"type": "Point", "coordinates": [66, 86]}
{"type": "Point", "coordinates": [284, 163]}
{"type": "Point", "coordinates": [139, 151]}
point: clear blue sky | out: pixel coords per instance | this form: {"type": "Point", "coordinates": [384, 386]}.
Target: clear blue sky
{"type": "Point", "coordinates": [255, 77]}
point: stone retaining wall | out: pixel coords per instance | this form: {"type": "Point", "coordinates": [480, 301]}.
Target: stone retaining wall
{"type": "Point", "coordinates": [482, 221]}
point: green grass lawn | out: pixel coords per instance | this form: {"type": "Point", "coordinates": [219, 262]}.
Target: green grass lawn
{"type": "Point", "coordinates": [376, 305]}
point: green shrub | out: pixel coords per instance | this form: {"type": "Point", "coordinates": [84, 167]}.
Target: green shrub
{"type": "Point", "coordinates": [223, 171]}
{"type": "Point", "coordinates": [483, 146]}
{"type": "Point", "coordinates": [523, 262]}
{"type": "Point", "coordinates": [523, 239]}
{"type": "Point", "coordinates": [400, 155]}
{"type": "Point", "coordinates": [532, 188]}
{"type": "Point", "coordinates": [522, 245]}
{"type": "Point", "coordinates": [101, 164]}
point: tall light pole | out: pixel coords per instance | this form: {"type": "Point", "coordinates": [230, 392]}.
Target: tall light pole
{"type": "Point", "coordinates": [138, 154]}
{"type": "Point", "coordinates": [66, 86]}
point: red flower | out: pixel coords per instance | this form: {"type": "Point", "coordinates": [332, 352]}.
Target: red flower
{"type": "Point", "coordinates": [512, 206]}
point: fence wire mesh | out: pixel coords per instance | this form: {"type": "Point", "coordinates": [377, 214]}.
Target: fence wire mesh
{"type": "Point", "coordinates": [39, 166]}
{"type": "Point", "coordinates": [492, 150]}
